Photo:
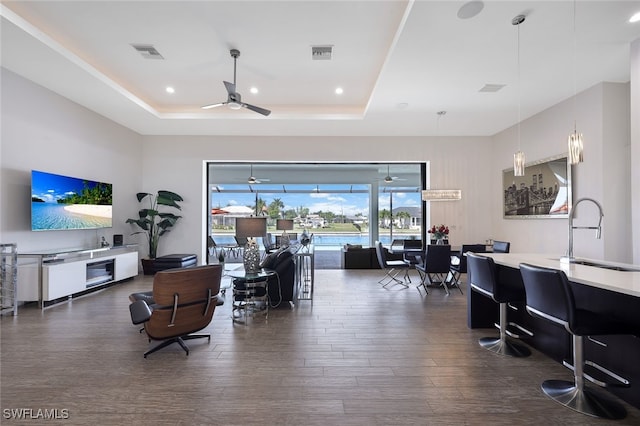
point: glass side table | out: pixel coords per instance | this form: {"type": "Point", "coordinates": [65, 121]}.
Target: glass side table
{"type": "Point", "coordinates": [250, 294]}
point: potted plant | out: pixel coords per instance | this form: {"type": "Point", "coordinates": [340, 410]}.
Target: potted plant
{"type": "Point", "coordinates": [155, 223]}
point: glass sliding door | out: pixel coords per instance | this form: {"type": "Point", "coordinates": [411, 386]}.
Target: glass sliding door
{"type": "Point", "coordinates": [339, 203]}
{"type": "Point", "coordinates": [400, 214]}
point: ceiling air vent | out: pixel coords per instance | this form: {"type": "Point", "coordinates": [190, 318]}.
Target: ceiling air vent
{"type": "Point", "coordinates": [319, 53]}
{"type": "Point", "coordinates": [491, 88]}
{"type": "Point", "coordinates": [147, 51]}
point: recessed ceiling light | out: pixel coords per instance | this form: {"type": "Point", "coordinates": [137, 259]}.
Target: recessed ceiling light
{"type": "Point", "coordinates": [470, 9]}
{"type": "Point", "coordinates": [403, 105]}
{"type": "Point", "coordinates": [254, 90]}
{"type": "Point", "coordinates": [170, 89]}
{"type": "Point", "coordinates": [339, 91]}
{"type": "Point", "coordinates": [635, 18]}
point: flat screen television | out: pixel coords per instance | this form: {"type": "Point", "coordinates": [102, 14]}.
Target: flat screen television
{"type": "Point", "coordinates": [64, 202]}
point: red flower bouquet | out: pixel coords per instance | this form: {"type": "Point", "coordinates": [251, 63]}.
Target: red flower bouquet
{"type": "Point", "coordinates": [439, 232]}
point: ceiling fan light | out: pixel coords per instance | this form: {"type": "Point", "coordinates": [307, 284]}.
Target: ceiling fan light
{"type": "Point", "coordinates": [235, 105]}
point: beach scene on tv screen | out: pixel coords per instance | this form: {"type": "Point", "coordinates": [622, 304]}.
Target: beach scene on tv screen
{"type": "Point", "coordinates": [63, 202]}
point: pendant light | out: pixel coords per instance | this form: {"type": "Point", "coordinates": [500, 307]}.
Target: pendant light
{"type": "Point", "coordinates": [518, 157]}
{"type": "Point", "coordinates": [575, 141]}
{"type": "Point", "coordinates": [441, 194]}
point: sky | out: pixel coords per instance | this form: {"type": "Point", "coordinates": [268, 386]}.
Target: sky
{"type": "Point", "coordinates": [345, 203]}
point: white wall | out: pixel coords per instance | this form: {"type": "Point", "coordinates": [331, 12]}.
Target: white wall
{"type": "Point", "coordinates": [602, 115]}
{"type": "Point", "coordinates": [44, 131]}
{"type": "Point", "coordinates": [463, 163]}
{"type": "Point", "coordinates": [616, 170]}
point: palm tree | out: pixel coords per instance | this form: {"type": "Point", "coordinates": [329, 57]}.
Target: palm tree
{"type": "Point", "coordinates": [260, 206]}
{"type": "Point", "coordinates": [275, 207]}
{"type": "Point", "coordinates": [402, 218]}
{"type": "Point", "coordinates": [384, 215]}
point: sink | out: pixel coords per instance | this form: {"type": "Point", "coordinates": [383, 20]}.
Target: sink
{"type": "Point", "coordinates": [603, 265]}
{"type": "Point", "coordinates": [606, 266]}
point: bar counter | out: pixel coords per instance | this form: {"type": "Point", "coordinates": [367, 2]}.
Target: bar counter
{"type": "Point", "coordinates": [605, 290]}
{"type": "Point", "coordinates": [606, 278]}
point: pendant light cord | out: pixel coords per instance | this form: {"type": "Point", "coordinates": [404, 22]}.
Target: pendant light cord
{"type": "Point", "coordinates": [575, 89]}
{"type": "Point", "coordinates": [519, 91]}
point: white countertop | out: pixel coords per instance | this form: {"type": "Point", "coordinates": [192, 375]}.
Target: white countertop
{"type": "Point", "coordinates": [626, 282]}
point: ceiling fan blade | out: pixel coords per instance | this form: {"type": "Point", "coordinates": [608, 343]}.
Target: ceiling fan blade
{"type": "Point", "coordinates": [231, 88]}
{"type": "Point", "coordinates": [256, 109]}
{"type": "Point", "coordinates": [213, 105]}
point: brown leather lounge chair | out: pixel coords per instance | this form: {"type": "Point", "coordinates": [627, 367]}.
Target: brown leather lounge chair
{"type": "Point", "coordinates": [184, 302]}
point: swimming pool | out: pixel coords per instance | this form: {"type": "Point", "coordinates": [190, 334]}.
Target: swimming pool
{"type": "Point", "coordinates": [329, 240]}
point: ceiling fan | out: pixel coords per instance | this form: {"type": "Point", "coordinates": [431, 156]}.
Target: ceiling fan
{"type": "Point", "coordinates": [389, 179]}
{"type": "Point", "coordinates": [252, 179]}
{"type": "Point", "coordinates": [234, 100]}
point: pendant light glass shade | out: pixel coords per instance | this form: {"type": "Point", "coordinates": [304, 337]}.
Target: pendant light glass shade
{"type": "Point", "coordinates": [575, 148]}
{"type": "Point", "coordinates": [518, 163]}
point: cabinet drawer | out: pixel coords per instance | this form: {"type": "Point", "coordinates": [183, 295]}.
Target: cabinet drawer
{"type": "Point", "coordinates": [63, 279]}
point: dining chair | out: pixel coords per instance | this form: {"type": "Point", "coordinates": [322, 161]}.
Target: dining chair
{"type": "Point", "coordinates": [434, 266]}
{"type": "Point", "coordinates": [460, 266]}
{"type": "Point", "coordinates": [212, 246]}
{"type": "Point", "coordinates": [501, 246]}
{"type": "Point", "coordinates": [391, 267]}
{"type": "Point", "coordinates": [242, 243]}
{"type": "Point", "coordinates": [411, 252]}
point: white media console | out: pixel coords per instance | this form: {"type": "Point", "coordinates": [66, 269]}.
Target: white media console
{"type": "Point", "coordinates": [46, 276]}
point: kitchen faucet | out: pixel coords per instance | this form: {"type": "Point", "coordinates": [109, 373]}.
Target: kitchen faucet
{"type": "Point", "coordinates": [598, 228]}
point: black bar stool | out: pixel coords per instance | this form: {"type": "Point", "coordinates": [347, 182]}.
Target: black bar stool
{"type": "Point", "coordinates": [550, 297]}
{"type": "Point", "coordinates": [482, 278]}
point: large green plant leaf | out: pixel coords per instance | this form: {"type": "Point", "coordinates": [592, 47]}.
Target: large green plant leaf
{"type": "Point", "coordinates": [168, 198]}
{"type": "Point", "coordinates": [153, 222]}
{"type": "Point", "coordinates": [141, 195]}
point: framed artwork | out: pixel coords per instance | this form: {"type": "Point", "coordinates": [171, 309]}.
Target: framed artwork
{"type": "Point", "coordinates": [543, 192]}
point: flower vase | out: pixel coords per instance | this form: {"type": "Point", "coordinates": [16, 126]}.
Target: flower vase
{"type": "Point", "coordinates": [440, 241]}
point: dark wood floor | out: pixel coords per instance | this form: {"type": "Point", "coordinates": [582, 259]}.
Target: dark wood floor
{"type": "Point", "coordinates": [358, 354]}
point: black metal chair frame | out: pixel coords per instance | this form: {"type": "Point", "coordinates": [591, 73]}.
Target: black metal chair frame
{"type": "Point", "coordinates": [435, 267]}
{"type": "Point", "coordinates": [461, 267]}
{"type": "Point", "coordinates": [412, 252]}
{"type": "Point", "coordinates": [392, 268]}
{"type": "Point", "coordinates": [212, 246]}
